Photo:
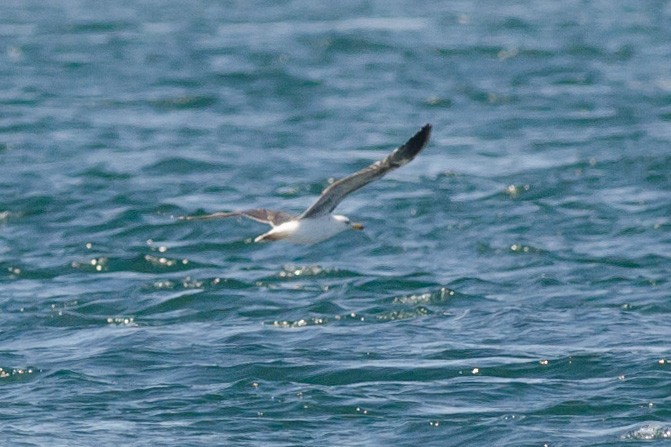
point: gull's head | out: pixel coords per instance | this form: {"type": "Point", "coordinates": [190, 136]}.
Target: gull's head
{"type": "Point", "coordinates": [345, 220]}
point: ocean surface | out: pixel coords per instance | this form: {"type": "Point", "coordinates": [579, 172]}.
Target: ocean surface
{"type": "Point", "coordinates": [512, 285]}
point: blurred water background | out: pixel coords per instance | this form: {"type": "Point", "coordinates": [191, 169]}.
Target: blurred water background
{"type": "Point", "coordinates": [511, 287]}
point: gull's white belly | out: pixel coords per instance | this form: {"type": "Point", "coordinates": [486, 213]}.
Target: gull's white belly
{"type": "Point", "coordinates": [306, 231]}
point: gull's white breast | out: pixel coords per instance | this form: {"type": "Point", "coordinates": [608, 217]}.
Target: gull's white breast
{"type": "Point", "coordinates": [306, 231]}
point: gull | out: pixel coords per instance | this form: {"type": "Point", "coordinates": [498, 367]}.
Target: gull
{"type": "Point", "coordinates": [317, 223]}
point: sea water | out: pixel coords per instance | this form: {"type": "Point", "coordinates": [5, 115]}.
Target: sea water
{"type": "Point", "coordinates": [511, 286]}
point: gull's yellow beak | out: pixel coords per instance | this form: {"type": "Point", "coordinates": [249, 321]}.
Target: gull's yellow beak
{"type": "Point", "coordinates": [357, 226]}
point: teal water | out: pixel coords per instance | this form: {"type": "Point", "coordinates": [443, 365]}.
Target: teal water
{"type": "Point", "coordinates": [511, 287]}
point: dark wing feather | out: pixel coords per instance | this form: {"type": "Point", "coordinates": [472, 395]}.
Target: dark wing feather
{"type": "Point", "coordinates": [337, 191]}
{"type": "Point", "coordinates": [262, 215]}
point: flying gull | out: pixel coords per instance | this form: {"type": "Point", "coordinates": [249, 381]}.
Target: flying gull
{"type": "Point", "coordinates": [317, 223]}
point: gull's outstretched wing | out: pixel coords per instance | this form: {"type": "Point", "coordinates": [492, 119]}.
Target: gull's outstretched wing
{"type": "Point", "coordinates": [336, 192]}
{"type": "Point", "coordinates": [262, 215]}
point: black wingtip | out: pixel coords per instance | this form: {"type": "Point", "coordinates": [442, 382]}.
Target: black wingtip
{"type": "Point", "coordinates": [418, 141]}
{"type": "Point", "coordinates": [424, 133]}
{"type": "Point", "coordinates": [421, 137]}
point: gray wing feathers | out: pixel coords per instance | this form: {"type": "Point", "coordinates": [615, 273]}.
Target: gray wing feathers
{"type": "Point", "coordinates": [262, 215]}
{"type": "Point", "coordinates": [337, 191]}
